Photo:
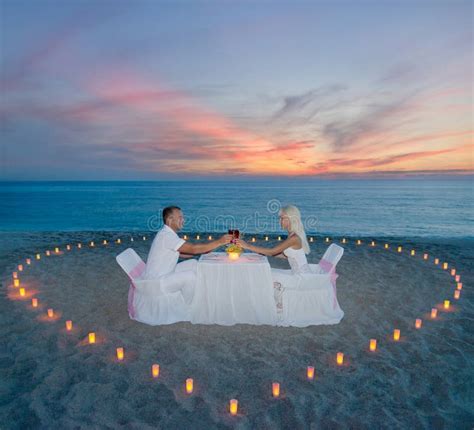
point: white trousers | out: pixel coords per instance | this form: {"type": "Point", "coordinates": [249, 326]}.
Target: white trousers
{"type": "Point", "coordinates": [183, 279]}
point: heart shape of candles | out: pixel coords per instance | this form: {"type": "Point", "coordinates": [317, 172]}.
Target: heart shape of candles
{"type": "Point", "coordinates": [340, 359]}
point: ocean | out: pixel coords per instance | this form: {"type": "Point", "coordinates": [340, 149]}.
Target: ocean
{"type": "Point", "coordinates": [441, 208]}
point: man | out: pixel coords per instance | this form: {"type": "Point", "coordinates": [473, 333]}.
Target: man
{"type": "Point", "coordinates": [166, 249]}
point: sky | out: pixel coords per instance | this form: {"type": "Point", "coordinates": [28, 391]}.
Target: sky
{"type": "Point", "coordinates": [144, 90]}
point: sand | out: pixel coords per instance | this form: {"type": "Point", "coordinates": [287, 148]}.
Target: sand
{"type": "Point", "coordinates": [51, 378]}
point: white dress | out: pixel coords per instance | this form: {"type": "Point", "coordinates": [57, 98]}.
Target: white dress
{"type": "Point", "coordinates": [297, 305]}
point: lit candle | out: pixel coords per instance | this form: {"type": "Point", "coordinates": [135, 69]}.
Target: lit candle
{"type": "Point", "coordinates": [412, 252]}
{"type": "Point", "coordinates": [327, 239]}
{"type": "Point", "coordinates": [56, 250]}
{"type": "Point", "coordinates": [457, 294]}
{"type": "Point", "coordinates": [69, 325]}
{"type": "Point", "coordinates": [358, 242]}
{"type": "Point", "coordinates": [38, 256]}
{"type": "Point", "coordinates": [425, 256]}
{"type": "Point", "coordinates": [399, 249]}
{"type": "Point", "coordinates": [233, 406]}
{"type": "Point", "coordinates": [279, 237]}
{"type": "Point", "coordinates": [20, 267]}
{"type": "Point", "coordinates": [144, 237]}
{"type": "Point", "coordinates": [373, 344]}
{"type": "Point", "coordinates": [266, 238]}
{"type": "Point", "coordinates": [16, 282]}
{"type": "Point", "coordinates": [50, 313]}
{"type": "Point", "coordinates": [276, 389]}
{"type": "Point", "coordinates": [155, 370]}
{"type": "Point", "coordinates": [459, 286]}
{"type": "Point", "coordinates": [185, 237]}
{"type": "Point", "coordinates": [68, 247]}
{"type": "Point", "coordinates": [458, 278]}
{"type": "Point", "coordinates": [372, 243]}
{"type": "Point", "coordinates": [48, 253]}
{"type": "Point", "coordinates": [15, 275]}
{"type": "Point", "coordinates": [79, 245]}
{"type": "Point", "coordinates": [104, 242]}
{"type": "Point", "coordinates": [436, 261]}
{"type": "Point", "coordinates": [310, 372]}
{"type": "Point", "coordinates": [434, 312]}
{"type": "Point", "coordinates": [311, 239]}
{"type": "Point", "coordinates": [210, 237]}
{"type": "Point", "coordinates": [198, 237]}
{"type": "Point", "coordinates": [340, 358]}
{"type": "Point", "coordinates": [28, 261]}
{"type": "Point", "coordinates": [445, 266]}
{"type": "Point", "coordinates": [120, 354]}
{"type": "Point", "coordinates": [386, 246]}
{"type": "Point", "coordinates": [91, 337]}
{"type": "Point", "coordinates": [92, 244]}
{"type": "Point", "coordinates": [189, 385]}
{"type": "Point", "coordinates": [446, 304]}
{"type": "Point", "coordinates": [131, 239]}
{"type": "Point", "coordinates": [396, 334]}
{"type": "Point", "coordinates": [233, 255]}
{"type": "Point", "coordinates": [344, 240]}
{"type": "Point", "coordinates": [418, 323]}
{"type": "Point", "coordinates": [453, 272]}
{"type": "Point", "coordinates": [22, 292]}
{"type": "Point", "coordinates": [253, 239]}
{"type": "Point", "coordinates": [34, 303]}
{"type": "Point", "coordinates": [119, 241]}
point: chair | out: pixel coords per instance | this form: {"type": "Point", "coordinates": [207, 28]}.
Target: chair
{"type": "Point", "coordinates": [314, 300]}
{"type": "Point", "coordinates": [147, 303]}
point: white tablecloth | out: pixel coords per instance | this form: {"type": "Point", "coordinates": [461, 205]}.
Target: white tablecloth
{"type": "Point", "coordinates": [231, 292]}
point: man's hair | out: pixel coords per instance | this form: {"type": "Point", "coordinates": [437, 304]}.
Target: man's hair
{"type": "Point", "coordinates": [168, 211]}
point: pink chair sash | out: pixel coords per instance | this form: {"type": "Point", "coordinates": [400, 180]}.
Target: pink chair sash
{"type": "Point", "coordinates": [134, 273]}
{"type": "Point", "coordinates": [328, 267]}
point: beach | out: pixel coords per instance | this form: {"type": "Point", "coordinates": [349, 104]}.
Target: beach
{"type": "Point", "coordinates": [52, 378]}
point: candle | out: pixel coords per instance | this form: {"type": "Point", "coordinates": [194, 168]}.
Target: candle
{"type": "Point", "coordinates": [92, 337]}
{"type": "Point", "coordinates": [418, 323]}
{"type": "Point", "coordinates": [131, 239]}
{"type": "Point", "coordinates": [68, 247]}
{"type": "Point", "coordinates": [373, 344]}
{"type": "Point", "coordinates": [22, 292]}
{"type": "Point", "coordinates": [185, 237]}
{"type": "Point", "coordinates": [79, 245]}
{"type": "Point", "coordinates": [372, 243]}
{"type": "Point", "coordinates": [434, 312]}
{"type": "Point", "coordinates": [396, 334]}
{"type": "Point", "coordinates": [458, 278]}
{"type": "Point", "coordinates": [457, 294]}
{"type": "Point", "coordinates": [253, 239]}
{"type": "Point", "coordinates": [120, 354]}
{"type": "Point", "coordinates": [425, 256]}
{"type": "Point", "coordinates": [412, 252]}
{"type": "Point", "coordinates": [34, 303]}
{"type": "Point", "coordinates": [446, 304]}
{"type": "Point", "coordinates": [233, 255]}
{"type": "Point", "coordinates": [311, 239]}
{"type": "Point", "coordinates": [189, 385]}
{"type": "Point", "coordinates": [266, 238]}
{"type": "Point", "coordinates": [15, 275]}
{"type": "Point", "coordinates": [233, 406]}
{"type": "Point", "coordinates": [344, 240]}
{"type": "Point", "coordinates": [310, 372]}
{"type": "Point", "coordinates": [386, 246]}
{"type": "Point", "coordinates": [459, 286]}
{"type": "Point", "coordinates": [436, 261]}
{"type": "Point", "coordinates": [28, 261]}
{"type": "Point", "coordinates": [20, 267]}
{"type": "Point", "coordinates": [453, 272]}
{"type": "Point", "coordinates": [56, 250]}
{"type": "Point", "coordinates": [155, 370]}
{"type": "Point", "coordinates": [276, 389]}
{"type": "Point", "coordinates": [38, 256]}
{"type": "Point", "coordinates": [48, 253]}
{"type": "Point", "coordinates": [144, 237]}
{"type": "Point", "coordinates": [198, 237]}
{"type": "Point", "coordinates": [358, 242]}
{"type": "Point", "coordinates": [210, 237]}
{"type": "Point", "coordinates": [445, 266]}
{"type": "Point", "coordinates": [119, 240]}
{"type": "Point", "coordinates": [50, 313]}
{"type": "Point", "coordinates": [340, 358]}
{"type": "Point", "coordinates": [104, 242]}
{"type": "Point", "coordinates": [327, 239]}
{"type": "Point", "coordinates": [92, 244]}
{"type": "Point", "coordinates": [399, 249]}
{"type": "Point", "coordinates": [69, 325]}
{"type": "Point", "coordinates": [16, 282]}
{"type": "Point", "coordinates": [279, 237]}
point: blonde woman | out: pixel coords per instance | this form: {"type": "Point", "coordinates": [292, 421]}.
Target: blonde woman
{"type": "Point", "coordinates": [294, 248]}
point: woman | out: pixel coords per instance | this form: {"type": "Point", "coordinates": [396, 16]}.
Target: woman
{"type": "Point", "coordinates": [294, 248]}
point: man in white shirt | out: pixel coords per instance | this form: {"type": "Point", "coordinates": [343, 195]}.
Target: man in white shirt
{"type": "Point", "coordinates": [167, 247]}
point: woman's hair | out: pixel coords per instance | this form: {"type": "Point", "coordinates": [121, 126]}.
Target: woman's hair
{"type": "Point", "coordinates": [296, 225]}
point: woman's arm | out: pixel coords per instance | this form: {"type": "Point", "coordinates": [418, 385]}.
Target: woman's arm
{"type": "Point", "coordinates": [292, 240]}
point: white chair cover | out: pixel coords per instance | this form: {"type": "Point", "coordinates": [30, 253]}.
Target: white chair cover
{"type": "Point", "coordinates": [313, 301]}
{"type": "Point", "coordinates": [146, 301]}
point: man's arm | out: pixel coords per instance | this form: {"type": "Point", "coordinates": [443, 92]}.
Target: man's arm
{"type": "Point", "coordinates": [202, 248]}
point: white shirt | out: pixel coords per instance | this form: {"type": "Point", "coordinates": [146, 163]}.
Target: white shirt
{"type": "Point", "coordinates": [164, 253]}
